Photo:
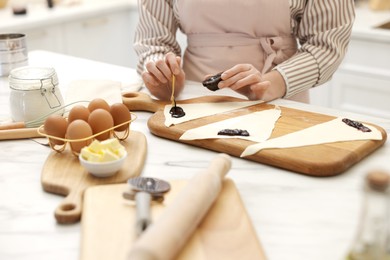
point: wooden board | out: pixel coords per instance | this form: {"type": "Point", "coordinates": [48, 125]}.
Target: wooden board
{"type": "Point", "coordinates": [63, 174]}
{"type": "Point", "coordinates": [225, 233]}
{"type": "Point", "coordinates": [316, 160]}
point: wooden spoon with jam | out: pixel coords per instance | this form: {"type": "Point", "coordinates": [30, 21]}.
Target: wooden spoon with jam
{"type": "Point", "coordinates": [175, 111]}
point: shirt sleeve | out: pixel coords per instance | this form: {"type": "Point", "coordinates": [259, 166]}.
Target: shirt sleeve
{"type": "Point", "coordinates": [155, 34]}
{"type": "Point", "coordinates": [323, 29]}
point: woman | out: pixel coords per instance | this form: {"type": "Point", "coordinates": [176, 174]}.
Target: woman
{"type": "Point", "coordinates": [267, 49]}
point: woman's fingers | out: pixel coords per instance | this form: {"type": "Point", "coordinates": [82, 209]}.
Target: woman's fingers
{"type": "Point", "coordinates": [237, 69]}
{"type": "Point", "coordinates": [158, 76]}
{"type": "Point", "coordinates": [164, 69]}
{"type": "Point", "coordinates": [243, 80]}
{"type": "Point", "coordinates": [161, 91]}
{"type": "Point", "coordinates": [239, 76]}
{"type": "Point", "coordinates": [247, 80]}
{"type": "Point", "coordinates": [173, 62]}
{"type": "Point", "coordinates": [148, 79]}
{"type": "Point", "coordinates": [157, 72]}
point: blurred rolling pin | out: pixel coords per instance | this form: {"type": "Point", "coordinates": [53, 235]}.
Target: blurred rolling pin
{"type": "Point", "coordinates": [166, 237]}
{"type": "Point", "coordinates": [13, 125]}
{"type": "Point", "coordinates": [21, 133]}
{"type": "Point", "coordinates": [379, 5]}
{"type": "Point", "coordinates": [20, 130]}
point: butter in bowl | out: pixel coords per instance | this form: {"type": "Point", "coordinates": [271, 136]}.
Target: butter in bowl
{"type": "Point", "coordinates": [103, 159]}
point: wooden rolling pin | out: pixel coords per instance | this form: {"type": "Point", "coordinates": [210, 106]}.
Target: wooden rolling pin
{"type": "Point", "coordinates": [166, 237]}
{"type": "Point", "coordinates": [379, 5]}
{"type": "Point", "coordinates": [21, 133]}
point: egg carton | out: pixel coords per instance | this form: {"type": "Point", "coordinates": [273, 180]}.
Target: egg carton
{"type": "Point", "coordinates": [85, 141]}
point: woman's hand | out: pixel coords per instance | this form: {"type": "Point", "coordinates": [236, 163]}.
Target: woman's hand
{"type": "Point", "coordinates": [158, 77]}
{"type": "Point", "coordinates": [247, 80]}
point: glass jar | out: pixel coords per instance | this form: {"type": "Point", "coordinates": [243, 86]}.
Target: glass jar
{"type": "Point", "coordinates": [13, 52]}
{"type": "Point", "coordinates": [34, 93]}
{"type": "Point", "coordinates": [373, 237]}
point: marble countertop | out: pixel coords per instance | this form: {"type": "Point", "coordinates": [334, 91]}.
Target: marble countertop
{"type": "Point", "coordinates": [295, 216]}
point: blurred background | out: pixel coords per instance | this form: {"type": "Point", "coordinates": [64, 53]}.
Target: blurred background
{"type": "Point", "coordinates": [104, 30]}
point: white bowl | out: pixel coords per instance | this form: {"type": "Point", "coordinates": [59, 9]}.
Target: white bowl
{"type": "Point", "coordinates": [103, 169]}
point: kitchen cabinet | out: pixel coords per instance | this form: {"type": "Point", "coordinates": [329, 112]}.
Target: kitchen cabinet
{"type": "Point", "coordinates": [47, 38]}
{"type": "Point", "coordinates": [97, 30]}
{"type": "Point", "coordinates": [105, 38]}
{"type": "Point", "coordinates": [362, 82]}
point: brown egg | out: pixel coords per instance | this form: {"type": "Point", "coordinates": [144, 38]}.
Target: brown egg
{"type": "Point", "coordinates": [101, 120]}
{"type": "Point", "coordinates": [78, 112]}
{"type": "Point", "coordinates": [55, 125]}
{"type": "Point", "coordinates": [98, 103]}
{"type": "Point", "coordinates": [78, 129]}
{"type": "Point", "coordinates": [120, 113]}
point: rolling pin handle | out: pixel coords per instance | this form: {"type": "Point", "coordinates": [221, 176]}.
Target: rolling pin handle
{"type": "Point", "coordinates": [220, 165]}
{"type": "Point", "coordinates": [13, 125]}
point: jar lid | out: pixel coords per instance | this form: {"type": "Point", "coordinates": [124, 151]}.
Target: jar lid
{"type": "Point", "coordinates": [12, 41]}
{"type": "Point", "coordinates": [378, 180]}
{"type": "Point", "coordinates": [32, 78]}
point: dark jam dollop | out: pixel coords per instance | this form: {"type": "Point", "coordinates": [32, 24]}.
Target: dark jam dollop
{"type": "Point", "coordinates": [177, 112]}
{"type": "Point", "coordinates": [19, 10]}
{"type": "Point", "coordinates": [233, 132]}
{"type": "Point", "coordinates": [212, 82]}
{"type": "Point", "coordinates": [356, 124]}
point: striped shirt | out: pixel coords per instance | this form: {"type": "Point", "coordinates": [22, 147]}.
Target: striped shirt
{"type": "Point", "coordinates": [322, 28]}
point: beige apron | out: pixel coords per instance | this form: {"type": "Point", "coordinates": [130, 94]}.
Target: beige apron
{"type": "Point", "coordinates": [224, 33]}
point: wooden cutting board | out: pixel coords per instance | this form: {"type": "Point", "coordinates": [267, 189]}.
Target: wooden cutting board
{"type": "Point", "coordinates": [225, 233]}
{"type": "Point", "coordinates": [63, 174]}
{"type": "Point", "coordinates": [316, 160]}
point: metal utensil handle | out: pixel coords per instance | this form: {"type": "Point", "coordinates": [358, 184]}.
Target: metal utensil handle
{"type": "Point", "coordinates": [143, 220]}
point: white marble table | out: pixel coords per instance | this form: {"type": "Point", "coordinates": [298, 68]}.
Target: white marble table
{"type": "Point", "coordinates": [295, 216]}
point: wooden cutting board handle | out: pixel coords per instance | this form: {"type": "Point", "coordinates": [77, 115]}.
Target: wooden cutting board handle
{"type": "Point", "coordinates": [63, 174]}
{"type": "Point", "coordinates": [138, 101]}
{"type": "Point", "coordinates": [69, 210]}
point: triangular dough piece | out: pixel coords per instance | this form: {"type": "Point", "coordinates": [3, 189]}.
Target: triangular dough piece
{"type": "Point", "coordinates": [328, 132]}
{"type": "Point", "coordinates": [198, 110]}
{"type": "Point", "coordinates": [259, 125]}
